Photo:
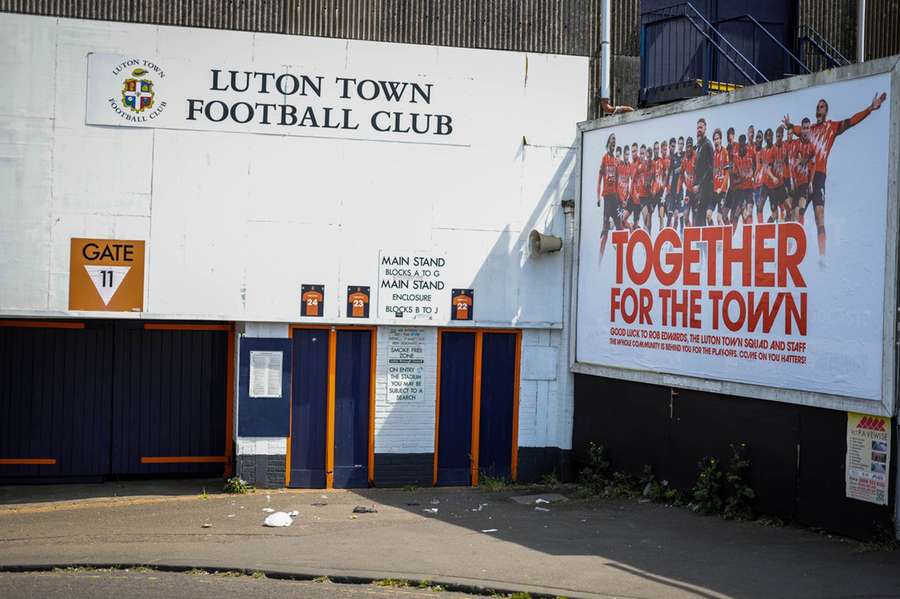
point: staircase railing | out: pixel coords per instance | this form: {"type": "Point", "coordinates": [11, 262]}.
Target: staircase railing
{"type": "Point", "coordinates": [790, 56]}
{"type": "Point", "coordinates": [808, 38]}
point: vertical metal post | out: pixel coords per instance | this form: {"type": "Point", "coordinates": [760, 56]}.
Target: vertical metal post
{"type": "Point", "coordinates": [605, 58]}
{"type": "Point", "coordinates": [860, 30]}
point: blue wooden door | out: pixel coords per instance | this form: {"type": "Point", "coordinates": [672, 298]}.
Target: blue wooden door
{"type": "Point", "coordinates": [55, 399]}
{"type": "Point", "coordinates": [498, 380]}
{"type": "Point", "coordinates": [309, 408]}
{"type": "Point", "coordinates": [455, 417]}
{"type": "Point", "coordinates": [170, 399]}
{"type": "Point", "coordinates": [351, 408]}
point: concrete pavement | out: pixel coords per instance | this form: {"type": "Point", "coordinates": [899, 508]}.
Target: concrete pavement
{"type": "Point", "coordinates": [599, 548]}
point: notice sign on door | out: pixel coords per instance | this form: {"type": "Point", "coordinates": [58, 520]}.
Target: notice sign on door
{"type": "Point", "coordinates": [462, 304]}
{"type": "Point", "coordinates": [357, 302]}
{"type": "Point", "coordinates": [106, 275]}
{"type": "Point", "coordinates": [265, 373]}
{"type": "Point", "coordinates": [868, 457]}
{"type": "Point", "coordinates": [406, 364]}
{"type": "Point", "coordinates": [312, 300]}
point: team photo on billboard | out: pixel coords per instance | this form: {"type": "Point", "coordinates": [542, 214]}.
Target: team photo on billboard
{"type": "Point", "coordinates": [741, 242]}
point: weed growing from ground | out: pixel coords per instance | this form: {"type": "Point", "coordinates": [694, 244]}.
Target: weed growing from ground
{"type": "Point", "coordinates": [738, 503]}
{"type": "Point", "coordinates": [392, 583]}
{"type": "Point", "coordinates": [492, 483]}
{"type": "Point", "coordinates": [237, 486]}
{"type": "Point", "coordinates": [707, 492]}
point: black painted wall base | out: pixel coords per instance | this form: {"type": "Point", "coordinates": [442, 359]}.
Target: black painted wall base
{"type": "Point", "coordinates": [262, 471]}
{"type": "Point", "coordinates": [536, 463]}
{"type": "Point", "coordinates": [797, 453]}
{"type": "Point", "coordinates": [401, 469]}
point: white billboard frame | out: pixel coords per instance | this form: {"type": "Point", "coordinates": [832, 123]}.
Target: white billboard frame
{"type": "Point", "coordinates": [887, 405]}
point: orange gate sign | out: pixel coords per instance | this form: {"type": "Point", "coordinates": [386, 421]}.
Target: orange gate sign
{"type": "Point", "coordinates": [106, 275]}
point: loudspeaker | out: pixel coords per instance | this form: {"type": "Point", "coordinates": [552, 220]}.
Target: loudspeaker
{"type": "Point", "coordinates": [539, 243]}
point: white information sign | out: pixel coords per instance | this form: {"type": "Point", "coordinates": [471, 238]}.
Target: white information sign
{"type": "Point", "coordinates": [411, 286]}
{"type": "Point", "coordinates": [265, 373]}
{"type": "Point", "coordinates": [395, 103]}
{"type": "Point", "coordinates": [406, 364]}
{"type": "Point", "coordinates": [868, 457]}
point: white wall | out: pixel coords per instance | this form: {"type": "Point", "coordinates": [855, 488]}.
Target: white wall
{"type": "Point", "coordinates": [236, 222]}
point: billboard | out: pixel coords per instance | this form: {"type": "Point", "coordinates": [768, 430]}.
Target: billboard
{"type": "Point", "coordinates": [742, 246]}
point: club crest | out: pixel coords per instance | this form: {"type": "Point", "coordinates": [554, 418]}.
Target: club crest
{"type": "Point", "coordinates": [137, 92]}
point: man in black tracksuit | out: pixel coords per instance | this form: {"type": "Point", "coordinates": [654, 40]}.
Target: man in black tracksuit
{"type": "Point", "coordinates": [703, 170]}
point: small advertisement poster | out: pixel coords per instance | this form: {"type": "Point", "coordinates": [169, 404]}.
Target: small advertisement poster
{"type": "Point", "coordinates": [726, 243]}
{"type": "Point", "coordinates": [868, 457]}
{"type": "Point", "coordinates": [265, 373]}
{"type": "Point", "coordinates": [406, 364]}
{"type": "Point", "coordinates": [462, 304]}
{"type": "Point", "coordinates": [357, 301]}
{"type": "Point", "coordinates": [312, 300]}
{"type": "Point", "coordinates": [411, 285]}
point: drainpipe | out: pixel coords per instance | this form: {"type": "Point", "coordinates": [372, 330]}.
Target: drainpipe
{"type": "Point", "coordinates": [860, 30]}
{"type": "Point", "coordinates": [606, 107]}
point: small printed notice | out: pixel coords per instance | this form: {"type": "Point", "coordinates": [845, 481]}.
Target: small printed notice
{"type": "Point", "coordinates": [411, 285]}
{"type": "Point", "coordinates": [406, 364]}
{"type": "Point", "coordinates": [868, 457]}
{"type": "Point", "coordinates": [265, 373]}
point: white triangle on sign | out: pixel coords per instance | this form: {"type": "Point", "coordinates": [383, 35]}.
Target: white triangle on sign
{"type": "Point", "coordinates": [107, 279]}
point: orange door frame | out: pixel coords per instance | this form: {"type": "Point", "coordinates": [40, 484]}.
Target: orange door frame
{"type": "Point", "coordinates": [476, 399]}
{"type": "Point", "coordinates": [330, 400]}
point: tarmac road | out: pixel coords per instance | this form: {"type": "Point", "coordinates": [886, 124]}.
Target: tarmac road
{"type": "Point", "coordinates": [83, 584]}
{"type": "Point", "coordinates": [467, 537]}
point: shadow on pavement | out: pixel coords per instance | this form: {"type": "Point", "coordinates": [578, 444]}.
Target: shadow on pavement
{"type": "Point", "coordinates": [12, 495]}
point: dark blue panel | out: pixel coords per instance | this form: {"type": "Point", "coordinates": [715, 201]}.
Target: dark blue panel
{"type": "Point", "coordinates": [498, 379]}
{"type": "Point", "coordinates": [310, 396]}
{"type": "Point", "coordinates": [264, 416]}
{"type": "Point", "coordinates": [55, 397]}
{"type": "Point", "coordinates": [351, 409]}
{"type": "Point", "coordinates": [170, 399]}
{"type": "Point", "coordinates": [455, 426]}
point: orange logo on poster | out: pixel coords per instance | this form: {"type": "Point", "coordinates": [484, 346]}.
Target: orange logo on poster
{"type": "Point", "coordinates": [312, 299]}
{"type": "Point", "coordinates": [106, 275]}
{"type": "Point", "coordinates": [462, 304]}
{"type": "Point", "coordinates": [358, 303]}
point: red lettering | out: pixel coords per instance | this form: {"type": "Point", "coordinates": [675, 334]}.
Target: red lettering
{"type": "Point", "coordinates": [673, 259]}
{"type": "Point", "coordinates": [789, 263]}
{"type": "Point", "coordinates": [691, 256]}
{"type": "Point", "coordinates": [639, 237]}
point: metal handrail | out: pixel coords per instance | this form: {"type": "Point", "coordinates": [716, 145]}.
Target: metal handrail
{"type": "Point", "coordinates": [690, 13]}
{"type": "Point", "coordinates": [823, 46]}
{"type": "Point", "coordinates": [762, 28]}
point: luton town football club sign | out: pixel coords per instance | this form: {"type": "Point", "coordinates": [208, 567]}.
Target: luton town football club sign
{"type": "Point", "coordinates": [132, 89]}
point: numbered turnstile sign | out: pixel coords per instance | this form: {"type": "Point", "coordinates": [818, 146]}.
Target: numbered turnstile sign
{"type": "Point", "coordinates": [106, 275]}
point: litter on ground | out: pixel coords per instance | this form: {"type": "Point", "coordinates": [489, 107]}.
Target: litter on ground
{"type": "Point", "coordinates": [362, 509]}
{"type": "Point", "coordinates": [489, 530]}
{"type": "Point", "coordinates": [278, 520]}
